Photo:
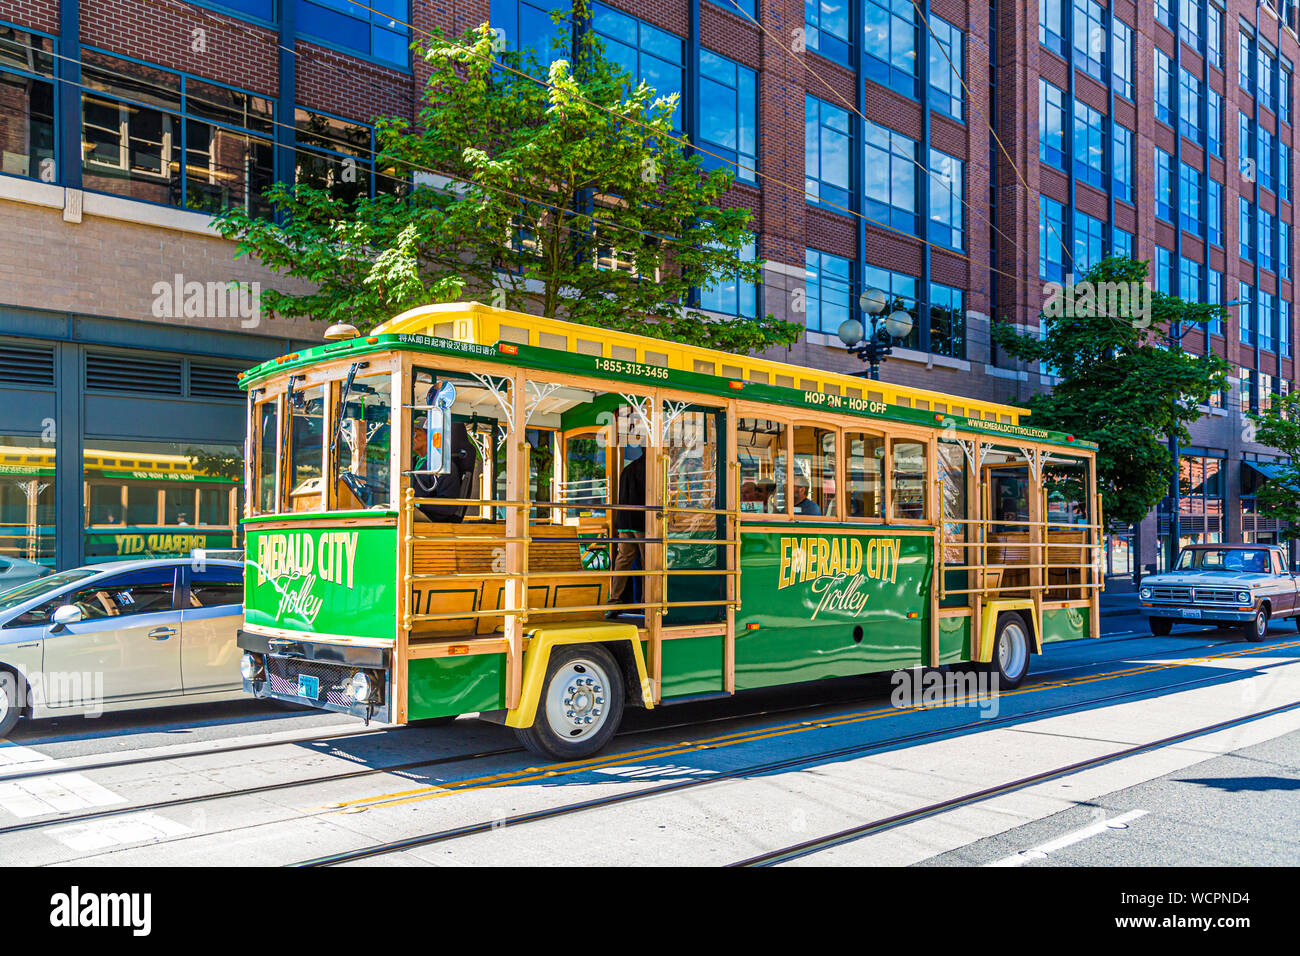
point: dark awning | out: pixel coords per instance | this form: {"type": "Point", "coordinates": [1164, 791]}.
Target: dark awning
{"type": "Point", "coordinates": [1269, 469]}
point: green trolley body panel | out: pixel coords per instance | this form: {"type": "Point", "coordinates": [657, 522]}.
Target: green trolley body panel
{"type": "Point", "coordinates": [831, 601]}
{"type": "Point", "coordinates": [322, 581]}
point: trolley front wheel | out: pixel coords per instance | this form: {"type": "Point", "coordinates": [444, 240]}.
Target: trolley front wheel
{"type": "Point", "coordinates": [580, 706]}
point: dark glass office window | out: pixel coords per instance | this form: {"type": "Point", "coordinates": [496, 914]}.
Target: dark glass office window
{"type": "Point", "coordinates": [1122, 162]}
{"type": "Point", "coordinates": [828, 291]}
{"type": "Point", "coordinates": [947, 67]}
{"type": "Point", "coordinates": [1051, 124]}
{"type": "Point", "coordinates": [947, 321]}
{"type": "Point", "coordinates": [826, 153]}
{"type": "Point", "coordinates": [890, 174]}
{"type": "Point", "coordinates": [890, 42]}
{"type": "Point", "coordinates": [1089, 145]}
{"type": "Point", "coordinates": [380, 31]}
{"type": "Point", "coordinates": [27, 104]}
{"type": "Point", "coordinates": [729, 115]}
{"type": "Point", "coordinates": [947, 200]}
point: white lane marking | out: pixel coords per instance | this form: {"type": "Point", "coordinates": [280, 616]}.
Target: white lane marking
{"type": "Point", "coordinates": [137, 828]}
{"type": "Point", "coordinates": [654, 770]}
{"type": "Point", "coordinates": [33, 798]}
{"type": "Point", "coordinates": [1041, 851]}
{"type": "Point", "coordinates": [12, 755]}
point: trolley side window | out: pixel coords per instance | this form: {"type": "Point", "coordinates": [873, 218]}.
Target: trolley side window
{"type": "Point", "coordinates": [761, 448]}
{"type": "Point", "coordinates": [908, 465]}
{"type": "Point", "coordinates": [305, 487]}
{"type": "Point", "coordinates": [814, 491]}
{"type": "Point", "coordinates": [268, 428]}
{"type": "Point", "coordinates": [362, 442]}
{"type": "Point", "coordinates": [865, 474]}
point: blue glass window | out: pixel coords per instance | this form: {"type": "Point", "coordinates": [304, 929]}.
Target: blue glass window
{"type": "Point", "coordinates": [1244, 60]}
{"type": "Point", "coordinates": [947, 67]}
{"type": "Point", "coordinates": [1214, 41]}
{"type": "Point", "coordinates": [1264, 240]}
{"type": "Point", "coordinates": [528, 25]}
{"type": "Point", "coordinates": [1121, 243]}
{"type": "Point", "coordinates": [1089, 145]}
{"type": "Point", "coordinates": [729, 115]}
{"type": "Point", "coordinates": [1122, 162]}
{"type": "Point", "coordinates": [947, 321]}
{"type": "Point", "coordinates": [1189, 105]}
{"type": "Point", "coordinates": [1164, 87]}
{"type": "Point", "coordinates": [1245, 222]}
{"type": "Point", "coordinates": [1089, 241]}
{"type": "Point", "coordinates": [1189, 199]}
{"type": "Point", "coordinates": [1283, 326]}
{"type": "Point", "coordinates": [1165, 13]}
{"type": "Point", "coordinates": [890, 43]}
{"type": "Point", "coordinates": [826, 153]}
{"type": "Point", "coordinates": [1189, 279]}
{"type": "Point", "coordinates": [1164, 271]}
{"type": "Point", "coordinates": [1214, 295]}
{"type": "Point", "coordinates": [1284, 171]}
{"type": "Point", "coordinates": [1214, 212]}
{"type": "Point", "coordinates": [826, 23]}
{"type": "Point", "coordinates": [1051, 24]}
{"type": "Point", "coordinates": [1051, 239]}
{"type": "Point", "coordinates": [901, 289]}
{"type": "Point", "coordinates": [1189, 18]}
{"type": "Point", "coordinates": [1284, 92]}
{"type": "Point", "coordinates": [1122, 51]}
{"type": "Point", "coordinates": [1284, 249]}
{"type": "Point", "coordinates": [1244, 314]}
{"type": "Point", "coordinates": [1264, 318]}
{"type": "Point", "coordinates": [648, 53]}
{"type": "Point", "coordinates": [828, 291]}
{"type": "Point", "coordinates": [890, 174]}
{"type": "Point", "coordinates": [947, 192]}
{"type": "Point", "coordinates": [732, 295]}
{"type": "Point", "coordinates": [1164, 194]}
{"type": "Point", "coordinates": [1214, 120]}
{"type": "Point", "coordinates": [380, 33]}
{"type": "Point", "coordinates": [1051, 125]}
{"type": "Point", "coordinates": [1264, 157]}
{"type": "Point", "coordinates": [1090, 38]}
{"type": "Point", "coordinates": [747, 7]}
{"type": "Point", "coordinates": [1264, 66]}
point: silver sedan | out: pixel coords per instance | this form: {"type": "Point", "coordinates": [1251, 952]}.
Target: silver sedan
{"type": "Point", "coordinates": [121, 636]}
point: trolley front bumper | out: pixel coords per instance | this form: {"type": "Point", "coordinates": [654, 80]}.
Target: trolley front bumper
{"type": "Point", "coordinates": [316, 673]}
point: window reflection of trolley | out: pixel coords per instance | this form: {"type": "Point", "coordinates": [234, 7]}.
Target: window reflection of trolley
{"type": "Point", "coordinates": [455, 550]}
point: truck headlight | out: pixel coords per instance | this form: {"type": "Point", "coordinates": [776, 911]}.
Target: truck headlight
{"type": "Point", "coordinates": [250, 665]}
{"type": "Point", "coordinates": [359, 687]}
{"type": "Point", "coordinates": [1243, 597]}
{"type": "Point", "coordinates": [1145, 594]}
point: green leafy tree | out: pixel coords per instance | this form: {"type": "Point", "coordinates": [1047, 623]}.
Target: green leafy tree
{"type": "Point", "coordinates": [1120, 383]}
{"type": "Point", "coordinates": [573, 198]}
{"type": "Point", "coordinates": [1279, 428]}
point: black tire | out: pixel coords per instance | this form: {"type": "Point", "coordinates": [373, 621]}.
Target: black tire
{"type": "Point", "coordinates": [1160, 626]}
{"type": "Point", "coordinates": [1012, 643]}
{"type": "Point", "coordinates": [11, 701]}
{"type": "Point", "coordinates": [593, 710]}
{"type": "Point", "coordinates": [1256, 629]}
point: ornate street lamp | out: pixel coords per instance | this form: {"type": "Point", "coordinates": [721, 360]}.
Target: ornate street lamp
{"type": "Point", "coordinates": [879, 344]}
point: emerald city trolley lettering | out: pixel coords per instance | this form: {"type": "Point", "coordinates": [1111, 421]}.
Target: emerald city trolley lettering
{"type": "Point", "coordinates": [297, 554]}
{"type": "Point", "coordinates": [838, 569]}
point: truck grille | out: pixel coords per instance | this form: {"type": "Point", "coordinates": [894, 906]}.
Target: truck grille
{"type": "Point", "coordinates": [282, 674]}
{"type": "Point", "coordinates": [1171, 594]}
{"type": "Point", "coordinates": [1215, 596]}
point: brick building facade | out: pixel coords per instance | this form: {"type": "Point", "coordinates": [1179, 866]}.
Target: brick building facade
{"type": "Point", "coordinates": [956, 155]}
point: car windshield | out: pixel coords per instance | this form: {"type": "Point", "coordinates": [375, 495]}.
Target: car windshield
{"type": "Point", "coordinates": [51, 582]}
{"type": "Point", "coordinates": [1223, 559]}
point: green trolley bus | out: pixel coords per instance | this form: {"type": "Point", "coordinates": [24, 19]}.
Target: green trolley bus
{"type": "Point", "coordinates": [472, 510]}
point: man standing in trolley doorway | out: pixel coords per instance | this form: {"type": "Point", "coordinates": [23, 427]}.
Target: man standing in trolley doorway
{"type": "Point", "coordinates": [629, 526]}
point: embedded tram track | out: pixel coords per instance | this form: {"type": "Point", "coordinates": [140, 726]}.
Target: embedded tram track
{"type": "Point", "coordinates": [861, 831]}
{"type": "Point", "coordinates": [405, 766]}
{"type": "Point", "coordinates": [791, 763]}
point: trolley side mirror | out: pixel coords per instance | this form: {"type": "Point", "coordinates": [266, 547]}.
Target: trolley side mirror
{"type": "Point", "coordinates": [438, 430]}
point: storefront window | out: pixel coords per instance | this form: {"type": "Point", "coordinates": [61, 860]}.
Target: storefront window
{"type": "Point", "coordinates": [26, 503]}
{"type": "Point", "coordinates": [160, 499]}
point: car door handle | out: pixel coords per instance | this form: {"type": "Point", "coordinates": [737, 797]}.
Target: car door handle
{"type": "Point", "coordinates": [161, 633]}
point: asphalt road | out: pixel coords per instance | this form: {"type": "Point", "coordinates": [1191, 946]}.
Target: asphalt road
{"type": "Point", "coordinates": [709, 783]}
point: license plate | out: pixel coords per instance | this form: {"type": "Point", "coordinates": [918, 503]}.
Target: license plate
{"type": "Point", "coordinates": [1187, 612]}
{"type": "Point", "coordinates": [308, 687]}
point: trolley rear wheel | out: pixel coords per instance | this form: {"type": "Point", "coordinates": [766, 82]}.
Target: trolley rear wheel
{"type": "Point", "coordinates": [580, 706]}
{"type": "Point", "coordinates": [1011, 646]}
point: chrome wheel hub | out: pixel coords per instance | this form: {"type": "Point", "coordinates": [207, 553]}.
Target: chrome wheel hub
{"type": "Point", "coordinates": [1013, 651]}
{"type": "Point", "coordinates": [575, 701]}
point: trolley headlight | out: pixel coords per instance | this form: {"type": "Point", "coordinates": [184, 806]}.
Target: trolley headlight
{"type": "Point", "coordinates": [1243, 597]}
{"type": "Point", "coordinates": [1145, 594]}
{"type": "Point", "coordinates": [251, 667]}
{"type": "Point", "coordinates": [359, 687]}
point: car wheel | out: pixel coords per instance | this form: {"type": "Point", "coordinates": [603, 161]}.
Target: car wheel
{"type": "Point", "coordinates": [1160, 626]}
{"type": "Point", "coordinates": [11, 702]}
{"type": "Point", "coordinates": [1010, 660]}
{"type": "Point", "coordinates": [1256, 629]}
{"type": "Point", "coordinates": [580, 706]}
